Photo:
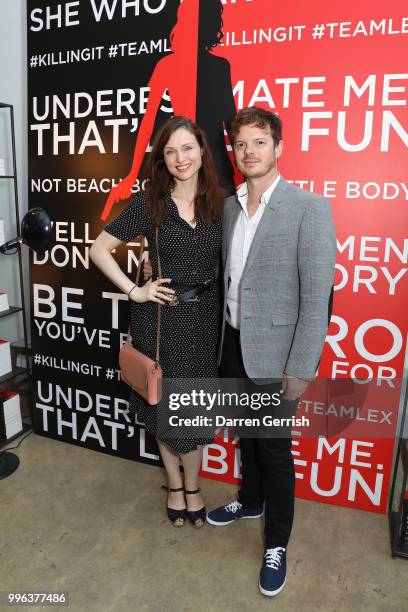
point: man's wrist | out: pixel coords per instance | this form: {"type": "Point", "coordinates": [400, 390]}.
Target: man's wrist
{"type": "Point", "coordinates": [298, 377]}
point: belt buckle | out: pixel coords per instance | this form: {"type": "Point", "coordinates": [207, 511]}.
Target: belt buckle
{"type": "Point", "coordinates": [174, 301]}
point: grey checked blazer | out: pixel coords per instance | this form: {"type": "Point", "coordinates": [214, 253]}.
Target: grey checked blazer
{"type": "Point", "coordinates": [286, 283]}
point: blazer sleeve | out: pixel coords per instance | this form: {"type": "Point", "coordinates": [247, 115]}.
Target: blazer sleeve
{"type": "Point", "coordinates": [316, 260]}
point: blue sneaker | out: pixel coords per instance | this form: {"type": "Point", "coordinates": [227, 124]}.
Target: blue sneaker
{"type": "Point", "coordinates": [273, 573]}
{"type": "Point", "coordinates": [224, 515]}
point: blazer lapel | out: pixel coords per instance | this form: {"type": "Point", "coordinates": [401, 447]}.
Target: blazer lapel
{"type": "Point", "coordinates": [275, 202]}
{"type": "Point", "coordinates": [232, 219]}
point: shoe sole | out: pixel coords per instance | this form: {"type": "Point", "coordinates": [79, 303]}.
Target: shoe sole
{"type": "Point", "coordinates": [271, 593]}
{"type": "Point", "coordinates": [219, 524]}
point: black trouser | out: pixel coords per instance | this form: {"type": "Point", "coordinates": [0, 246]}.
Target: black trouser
{"type": "Point", "coordinates": [267, 464]}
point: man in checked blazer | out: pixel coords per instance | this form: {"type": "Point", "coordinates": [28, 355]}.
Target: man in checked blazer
{"type": "Point", "coordinates": [278, 253]}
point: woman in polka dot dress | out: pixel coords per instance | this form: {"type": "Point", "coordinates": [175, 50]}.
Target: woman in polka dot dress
{"type": "Point", "coordinates": [185, 202]}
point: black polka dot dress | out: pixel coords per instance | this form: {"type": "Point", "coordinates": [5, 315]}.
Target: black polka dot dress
{"type": "Point", "coordinates": [189, 331]}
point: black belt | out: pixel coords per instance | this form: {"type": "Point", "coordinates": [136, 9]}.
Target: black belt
{"type": "Point", "coordinates": [189, 293]}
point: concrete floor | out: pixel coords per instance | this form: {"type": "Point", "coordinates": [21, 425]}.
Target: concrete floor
{"type": "Point", "coordinates": [95, 526]}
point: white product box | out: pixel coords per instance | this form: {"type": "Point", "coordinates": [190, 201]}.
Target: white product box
{"type": "Point", "coordinates": [5, 357]}
{"type": "Point", "coordinates": [4, 304]}
{"type": "Point", "coordinates": [10, 414]}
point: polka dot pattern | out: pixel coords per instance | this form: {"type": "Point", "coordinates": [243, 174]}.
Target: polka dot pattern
{"type": "Point", "coordinates": [189, 331]}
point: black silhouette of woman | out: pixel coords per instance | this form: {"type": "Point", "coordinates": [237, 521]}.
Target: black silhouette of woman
{"type": "Point", "coordinates": [199, 85]}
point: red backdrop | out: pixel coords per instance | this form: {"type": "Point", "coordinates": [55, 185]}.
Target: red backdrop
{"type": "Point", "coordinates": [336, 74]}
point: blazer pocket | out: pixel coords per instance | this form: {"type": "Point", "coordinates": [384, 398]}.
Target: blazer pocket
{"type": "Point", "coordinates": [284, 318]}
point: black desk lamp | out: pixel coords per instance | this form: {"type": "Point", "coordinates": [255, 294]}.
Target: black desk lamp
{"type": "Point", "coordinates": [37, 233]}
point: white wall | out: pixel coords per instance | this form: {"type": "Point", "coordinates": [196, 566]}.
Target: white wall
{"type": "Point", "coordinates": [13, 90]}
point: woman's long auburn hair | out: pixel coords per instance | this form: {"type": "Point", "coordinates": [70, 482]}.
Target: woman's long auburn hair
{"type": "Point", "coordinates": [210, 195]}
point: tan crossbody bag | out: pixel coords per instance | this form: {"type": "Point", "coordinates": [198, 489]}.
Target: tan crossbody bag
{"type": "Point", "coordinates": [142, 374]}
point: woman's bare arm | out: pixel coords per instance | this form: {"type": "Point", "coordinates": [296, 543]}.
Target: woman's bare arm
{"type": "Point", "coordinates": [101, 255]}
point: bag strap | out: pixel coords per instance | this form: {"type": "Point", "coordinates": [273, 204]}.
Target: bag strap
{"type": "Point", "coordinates": [158, 305]}
{"type": "Point", "coordinates": [139, 267]}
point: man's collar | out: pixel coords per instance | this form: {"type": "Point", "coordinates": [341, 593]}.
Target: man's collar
{"type": "Point", "coordinates": [267, 194]}
{"type": "Point", "coordinates": [242, 191]}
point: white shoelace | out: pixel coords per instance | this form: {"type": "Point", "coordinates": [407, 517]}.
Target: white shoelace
{"type": "Point", "coordinates": [273, 557]}
{"type": "Point", "coordinates": [233, 506]}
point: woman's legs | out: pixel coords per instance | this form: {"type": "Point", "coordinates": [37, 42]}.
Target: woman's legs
{"type": "Point", "coordinates": [191, 463]}
{"type": "Point", "coordinates": [171, 461]}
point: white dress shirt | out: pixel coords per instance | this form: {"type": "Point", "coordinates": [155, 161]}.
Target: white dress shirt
{"type": "Point", "coordinates": [242, 238]}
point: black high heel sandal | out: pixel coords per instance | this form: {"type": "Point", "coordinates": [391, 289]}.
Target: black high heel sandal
{"type": "Point", "coordinates": [194, 516]}
{"type": "Point", "coordinates": [176, 517]}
